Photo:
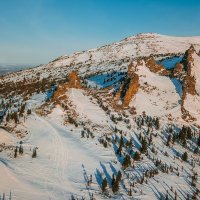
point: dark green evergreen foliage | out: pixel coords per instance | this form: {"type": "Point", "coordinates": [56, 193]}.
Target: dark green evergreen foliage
{"type": "Point", "coordinates": [15, 152]}
{"type": "Point", "coordinates": [157, 123]}
{"type": "Point", "coordinates": [104, 185]}
{"type": "Point", "coordinates": [119, 176]}
{"type": "Point", "coordinates": [189, 133]}
{"type": "Point", "coordinates": [129, 143]}
{"type": "Point", "coordinates": [137, 156]}
{"type": "Point", "coordinates": [127, 161]}
{"type": "Point", "coordinates": [29, 112]}
{"type": "Point", "coordinates": [196, 150]}
{"type": "Point", "coordinates": [185, 133]}
{"type": "Point", "coordinates": [174, 138]}
{"type": "Point", "coordinates": [121, 144]}
{"type": "Point", "coordinates": [130, 192]}
{"type": "Point", "coordinates": [113, 180]}
{"type": "Point", "coordinates": [184, 143]}
{"type": "Point", "coordinates": [185, 156]}
{"type": "Point", "coordinates": [34, 155]}
{"type": "Point", "coordinates": [8, 117]}
{"type": "Point", "coordinates": [21, 150]}
{"type": "Point", "coordinates": [144, 145]}
{"type": "Point", "coordinates": [198, 141]}
{"type": "Point", "coordinates": [168, 140]}
{"type": "Point", "coordinates": [115, 185]}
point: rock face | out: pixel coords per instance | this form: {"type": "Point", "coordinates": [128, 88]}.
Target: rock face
{"type": "Point", "coordinates": [133, 86]}
{"type": "Point", "coordinates": [178, 71]}
{"type": "Point", "coordinates": [74, 81]}
{"type": "Point", "coordinates": [156, 68]}
{"type": "Point", "coordinates": [191, 84]}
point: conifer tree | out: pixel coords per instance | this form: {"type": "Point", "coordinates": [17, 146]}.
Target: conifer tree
{"type": "Point", "coordinates": [185, 156]}
{"type": "Point", "coordinates": [127, 161]}
{"type": "Point", "coordinates": [115, 186]}
{"type": "Point", "coordinates": [137, 156]}
{"type": "Point", "coordinates": [104, 185]}
{"type": "Point", "coordinates": [34, 155]}
{"type": "Point", "coordinates": [144, 146]}
{"type": "Point", "coordinates": [15, 154]}
{"type": "Point", "coordinates": [119, 176]}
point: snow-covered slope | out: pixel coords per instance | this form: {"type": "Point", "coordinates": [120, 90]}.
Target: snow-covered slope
{"type": "Point", "coordinates": [157, 94]}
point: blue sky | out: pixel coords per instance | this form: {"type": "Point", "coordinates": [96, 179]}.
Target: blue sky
{"type": "Point", "coordinates": [37, 31]}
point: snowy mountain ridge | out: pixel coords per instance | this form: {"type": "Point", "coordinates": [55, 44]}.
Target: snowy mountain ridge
{"type": "Point", "coordinates": [114, 56]}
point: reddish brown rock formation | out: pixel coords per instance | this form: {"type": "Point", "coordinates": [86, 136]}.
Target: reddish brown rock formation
{"type": "Point", "coordinates": [74, 81]}
{"type": "Point", "coordinates": [155, 67]}
{"type": "Point", "coordinates": [178, 71]}
{"type": "Point", "coordinates": [132, 89]}
{"type": "Point", "coordinates": [189, 81]}
{"type": "Point", "coordinates": [60, 93]}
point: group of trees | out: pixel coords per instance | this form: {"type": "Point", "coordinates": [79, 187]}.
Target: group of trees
{"type": "Point", "coordinates": [20, 150]}
{"type": "Point", "coordinates": [17, 114]}
{"type": "Point", "coordinates": [114, 182]}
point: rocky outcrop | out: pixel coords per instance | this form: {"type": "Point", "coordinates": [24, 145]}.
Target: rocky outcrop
{"type": "Point", "coordinates": [74, 81]}
{"type": "Point", "coordinates": [189, 82]}
{"type": "Point", "coordinates": [132, 89]}
{"type": "Point", "coordinates": [155, 67]}
{"type": "Point", "coordinates": [129, 87]}
{"type": "Point", "coordinates": [178, 71]}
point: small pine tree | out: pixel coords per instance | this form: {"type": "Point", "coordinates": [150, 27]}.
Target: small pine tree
{"type": "Point", "coordinates": [104, 185]}
{"type": "Point", "coordinates": [21, 151]}
{"type": "Point", "coordinates": [130, 192]}
{"type": "Point", "coordinates": [119, 176]}
{"type": "Point", "coordinates": [29, 112]}
{"type": "Point", "coordinates": [15, 152]}
{"type": "Point", "coordinates": [196, 150]}
{"type": "Point", "coordinates": [174, 138]}
{"type": "Point", "coordinates": [34, 155]}
{"type": "Point", "coordinates": [127, 161]}
{"type": "Point", "coordinates": [198, 141]}
{"type": "Point", "coordinates": [113, 180]}
{"type": "Point", "coordinates": [144, 146]}
{"type": "Point", "coordinates": [137, 156]}
{"type": "Point", "coordinates": [185, 156]}
{"type": "Point", "coordinates": [115, 186]}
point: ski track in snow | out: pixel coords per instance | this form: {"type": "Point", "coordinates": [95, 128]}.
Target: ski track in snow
{"type": "Point", "coordinates": [59, 154]}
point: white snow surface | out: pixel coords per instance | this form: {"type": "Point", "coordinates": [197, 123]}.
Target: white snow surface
{"type": "Point", "coordinates": [157, 94]}
{"type": "Point", "coordinates": [85, 108]}
{"type": "Point", "coordinates": [57, 172]}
